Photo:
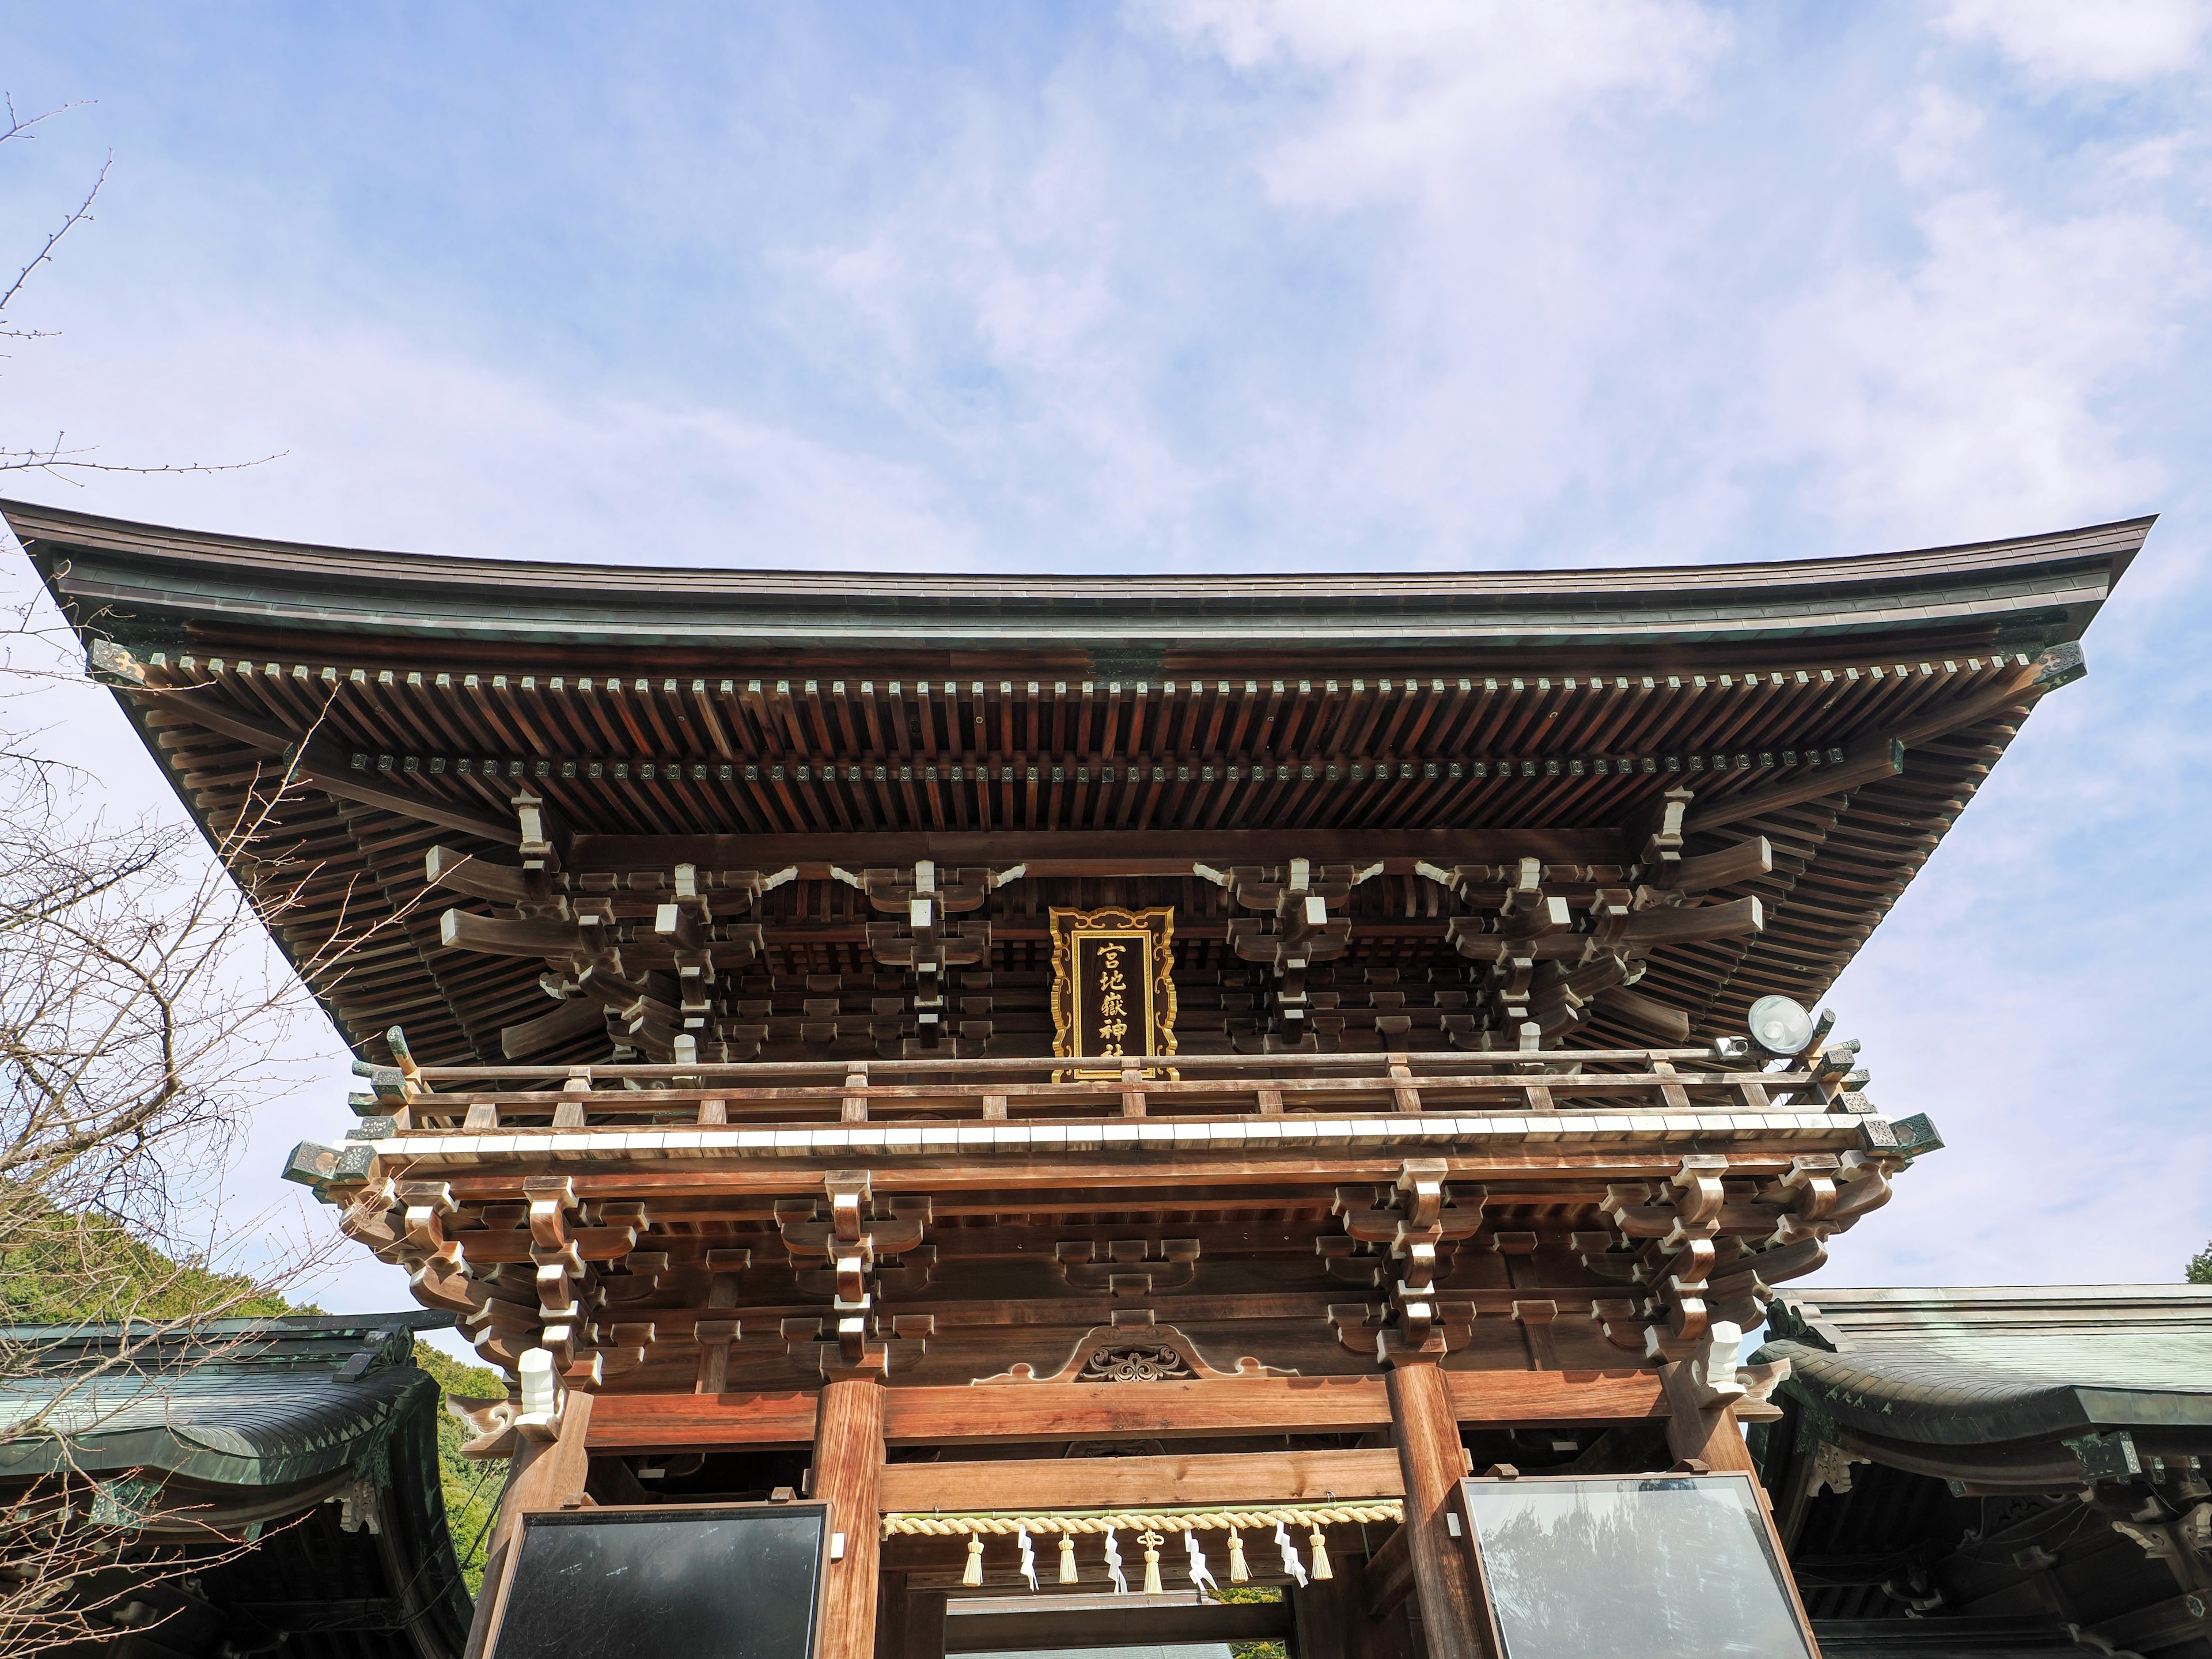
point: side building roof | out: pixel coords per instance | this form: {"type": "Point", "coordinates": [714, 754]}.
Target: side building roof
{"type": "Point", "coordinates": [309, 1440]}
{"type": "Point", "coordinates": [1987, 1366]}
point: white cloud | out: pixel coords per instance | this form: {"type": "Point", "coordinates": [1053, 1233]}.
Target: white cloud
{"type": "Point", "coordinates": [1412, 90]}
{"type": "Point", "coordinates": [1933, 147]}
{"type": "Point", "coordinates": [2116, 41]}
{"type": "Point", "coordinates": [1970, 391]}
{"type": "Point", "coordinates": [389, 442]}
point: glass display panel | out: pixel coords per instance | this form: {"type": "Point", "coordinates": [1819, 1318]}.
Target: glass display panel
{"type": "Point", "coordinates": [1662, 1566]}
{"type": "Point", "coordinates": [707, 1583]}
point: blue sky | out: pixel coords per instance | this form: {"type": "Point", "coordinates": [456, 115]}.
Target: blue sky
{"type": "Point", "coordinates": [1246, 286]}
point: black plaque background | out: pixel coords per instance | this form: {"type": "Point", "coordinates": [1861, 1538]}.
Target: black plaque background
{"type": "Point", "coordinates": [1137, 972]}
{"type": "Point", "coordinates": [733, 1583]}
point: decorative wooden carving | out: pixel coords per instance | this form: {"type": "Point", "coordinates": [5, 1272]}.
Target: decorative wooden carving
{"type": "Point", "coordinates": [1135, 1360]}
{"type": "Point", "coordinates": [1141, 1352]}
{"type": "Point", "coordinates": [1411, 1221]}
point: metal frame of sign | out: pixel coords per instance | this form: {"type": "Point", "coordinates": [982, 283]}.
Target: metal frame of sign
{"type": "Point", "coordinates": [1493, 1637]}
{"type": "Point", "coordinates": [661, 1512]}
{"type": "Point", "coordinates": [1155, 929]}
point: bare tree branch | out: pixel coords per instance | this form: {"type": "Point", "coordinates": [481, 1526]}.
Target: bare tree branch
{"type": "Point", "coordinates": [77, 216]}
{"type": "Point", "coordinates": [53, 460]}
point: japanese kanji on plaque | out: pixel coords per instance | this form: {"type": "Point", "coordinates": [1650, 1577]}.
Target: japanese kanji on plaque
{"type": "Point", "coordinates": [1113, 998]}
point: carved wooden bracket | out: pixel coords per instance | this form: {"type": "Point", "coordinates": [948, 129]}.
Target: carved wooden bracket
{"type": "Point", "coordinates": [1406, 1226]}
{"type": "Point", "coordinates": [491, 1424]}
{"type": "Point", "coordinates": [1131, 1266]}
{"type": "Point", "coordinates": [858, 1237]}
{"type": "Point", "coordinates": [638, 955]}
{"type": "Point", "coordinates": [1298, 897]}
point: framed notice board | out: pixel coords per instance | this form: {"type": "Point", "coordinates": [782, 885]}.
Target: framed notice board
{"type": "Point", "coordinates": [1113, 987]}
{"type": "Point", "coordinates": [728, 1581]}
{"type": "Point", "coordinates": [1664, 1567]}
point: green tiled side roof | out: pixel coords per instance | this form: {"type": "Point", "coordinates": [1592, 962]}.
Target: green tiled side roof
{"type": "Point", "coordinates": [240, 1403]}
{"type": "Point", "coordinates": [1988, 1364]}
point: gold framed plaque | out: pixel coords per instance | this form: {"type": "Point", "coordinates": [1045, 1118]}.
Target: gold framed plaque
{"type": "Point", "coordinates": [1112, 988]}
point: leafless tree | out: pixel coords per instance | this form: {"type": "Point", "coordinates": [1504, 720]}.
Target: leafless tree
{"type": "Point", "coordinates": [58, 458]}
{"type": "Point", "coordinates": [142, 1011]}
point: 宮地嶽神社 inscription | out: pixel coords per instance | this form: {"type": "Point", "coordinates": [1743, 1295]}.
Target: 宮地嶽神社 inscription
{"type": "Point", "coordinates": [1112, 996]}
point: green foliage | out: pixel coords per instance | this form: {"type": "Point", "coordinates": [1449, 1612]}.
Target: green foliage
{"type": "Point", "coordinates": [2200, 1266]}
{"type": "Point", "coordinates": [471, 1489]}
{"type": "Point", "coordinates": [1270, 1648]}
{"type": "Point", "coordinates": [57, 1268]}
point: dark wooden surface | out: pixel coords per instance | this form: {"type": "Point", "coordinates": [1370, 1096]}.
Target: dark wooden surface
{"type": "Point", "coordinates": [1138, 1623]}
{"type": "Point", "coordinates": [924, 1624]}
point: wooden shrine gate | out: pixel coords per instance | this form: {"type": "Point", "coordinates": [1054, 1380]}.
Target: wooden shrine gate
{"type": "Point", "coordinates": [1399, 1584]}
{"type": "Point", "coordinates": [1064, 1044]}
{"type": "Point", "coordinates": [1126, 1296]}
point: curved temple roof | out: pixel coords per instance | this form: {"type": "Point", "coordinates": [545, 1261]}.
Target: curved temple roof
{"type": "Point", "coordinates": [311, 1439]}
{"type": "Point", "coordinates": [1107, 736]}
{"type": "Point", "coordinates": [234, 1402]}
{"type": "Point", "coordinates": [2049, 585]}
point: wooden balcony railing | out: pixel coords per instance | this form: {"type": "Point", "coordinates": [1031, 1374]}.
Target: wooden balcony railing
{"type": "Point", "coordinates": [444, 1098]}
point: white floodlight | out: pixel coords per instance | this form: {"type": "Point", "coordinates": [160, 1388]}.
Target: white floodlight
{"type": "Point", "coordinates": [1780, 1026]}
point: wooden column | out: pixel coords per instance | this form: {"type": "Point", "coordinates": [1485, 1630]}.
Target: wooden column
{"type": "Point", "coordinates": [890, 1615]}
{"type": "Point", "coordinates": [1427, 1431]}
{"type": "Point", "coordinates": [925, 1623]}
{"type": "Point", "coordinates": [1332, 1613]}
{"type": "Point", "coordinates": [848, 1463]}
{"type": "Point", "coordinates": [545, 1475]}
{"type": "Point", "coordinates": [1708, 1433]}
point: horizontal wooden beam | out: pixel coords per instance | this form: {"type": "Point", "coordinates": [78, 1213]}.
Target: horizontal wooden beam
{"type": "Point", "coordinates": [1031, 1627]}
{"type": "Point", "coordinates": [1873, 762]}
{"type": "Point", "coordinates": [1052, 1483]}
{"type": "Point", "coordinates": [320, 765]}
{"type": "Point", "coordinates": [1012, 1413]}
{"type": "Point", "coordinates": [679, 1422]}
{"type": "Point", "coordinates": [1078, 1411]}
{"type": "Point", "coordinates": [1095, 852]}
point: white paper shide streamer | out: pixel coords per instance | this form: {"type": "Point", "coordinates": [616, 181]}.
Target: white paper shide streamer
{"type": "Point", "coordinates": [1201, 1574]}
{"type": "Point", "coordinates": [1113, 1564]}
{"type": "Point", "coordinates": [1291, 1564]}
{"type": "Point", "coordinates": [1028, 1556]}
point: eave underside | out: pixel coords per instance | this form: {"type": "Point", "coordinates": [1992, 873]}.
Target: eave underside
{"type": "Point", "coordinates": [1838, 860]}
{"type": "Point", "coordinates": [866, 750]}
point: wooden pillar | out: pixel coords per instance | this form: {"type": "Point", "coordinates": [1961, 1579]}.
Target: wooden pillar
{"type": "Point", "coordinates": [1427, 1431]}
{"type": "Point", "coordinates": [925, 1623]}
{"type": "Point", "coordinates": [543, 1475]}
{"type": "Point", "coordinates": [848, 1463]}
{"type": "Point", "coordinates": [1332, 1613]}
{"type": "Point", "coordinates": [1707, 1433]}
